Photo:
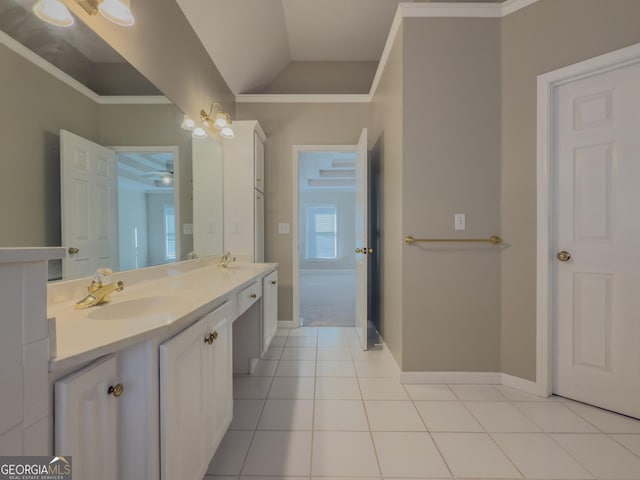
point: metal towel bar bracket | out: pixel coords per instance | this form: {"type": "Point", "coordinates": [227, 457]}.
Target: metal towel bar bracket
{"type": "Point", "coordinates": [493, 240]}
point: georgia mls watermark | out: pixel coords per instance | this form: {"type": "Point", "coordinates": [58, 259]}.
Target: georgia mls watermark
{"type": "Point", "coordinates": [35, 468]}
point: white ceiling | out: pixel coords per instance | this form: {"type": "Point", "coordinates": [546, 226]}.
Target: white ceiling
{"type": "Point", "coordinates": [251, 41]}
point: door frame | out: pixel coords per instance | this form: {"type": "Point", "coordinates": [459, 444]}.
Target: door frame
{"type": "Point", "coordinates": [295, 234]}
{"type": "Point", "coordinates": [546, 182]}
{"type": "Point", "coordinates": [176, 181]}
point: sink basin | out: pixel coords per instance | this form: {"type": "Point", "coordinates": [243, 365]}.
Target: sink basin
{"type": "Point", "coordinates": [135, 308]}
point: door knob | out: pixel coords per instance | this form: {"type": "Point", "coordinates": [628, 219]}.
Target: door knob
{"type": "Point", "coordinates": [368, 250]}
{"type": "Point", "coordinates": [209, 340]}
{"type": "Point", "coordinates": [116, 390]}
{"type": "Point", "coordinates": [563, 256]}
{"type": "Point", "coordinates": [359, 250]}
{"type": "Point", "coordinates": [74, 250]}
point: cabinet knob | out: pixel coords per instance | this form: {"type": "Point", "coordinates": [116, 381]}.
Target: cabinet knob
{"type": "Point", "coordinates": [209, 339]}
{"type": "Point", "coordinates": [253, 295]}
{"type": "Point", "coordinates": [215, 335]}
{"type": "Point", "coordinates": [273, 282]}
{"type": "Point", "coordinates": [116, 390]}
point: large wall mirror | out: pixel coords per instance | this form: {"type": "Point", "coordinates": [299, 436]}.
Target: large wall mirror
{"type": "Point", "coordinates": [55, 80]}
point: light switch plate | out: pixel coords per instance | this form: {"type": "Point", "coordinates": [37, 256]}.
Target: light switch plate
{"type": "Point", "coordinates": [283, 229]}
{"type": "Point", "coordinates": [459, 220]}
{"type": "Point", "coordinates": [187, 228]}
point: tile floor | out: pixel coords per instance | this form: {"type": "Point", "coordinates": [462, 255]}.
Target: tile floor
{"type": "Point", "coordinates": [318, 406]}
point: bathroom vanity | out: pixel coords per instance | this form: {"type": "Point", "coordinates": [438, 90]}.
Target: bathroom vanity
{"type": "Point", "coordinates": [142, 386]}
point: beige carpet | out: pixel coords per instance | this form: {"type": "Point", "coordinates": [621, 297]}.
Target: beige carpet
{"type": "Point", "coordinates": [328, 299]}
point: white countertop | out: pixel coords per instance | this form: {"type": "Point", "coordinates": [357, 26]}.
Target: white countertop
{"type": "Point", "coordinates": [143, 310]}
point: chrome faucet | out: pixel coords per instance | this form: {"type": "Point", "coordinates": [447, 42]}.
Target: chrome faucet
{"type": "Point", "coordinates": [100, 289]}
{"type": "Point", "coordinates": [225, 260]}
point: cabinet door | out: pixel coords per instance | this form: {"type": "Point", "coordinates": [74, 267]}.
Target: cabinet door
{"type": "Point", "coordinates": [269, 309]}
{"type": "Point", "coordinates": [258, 165]}
{"type": "Point", "coordinates": [259, 227]}
{"type": "Point", "coordinates": [86, 419]}
{"type": "Point", "coordinates": [219, 371]}
{"type": "Point", "coordinates": [182, 392]}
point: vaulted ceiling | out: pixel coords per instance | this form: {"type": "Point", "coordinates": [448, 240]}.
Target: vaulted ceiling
{"type": "Point", "coordinates": [251, 41]}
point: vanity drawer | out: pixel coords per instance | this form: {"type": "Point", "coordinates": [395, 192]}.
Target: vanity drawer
{"type": "Point", "coordinates": [248, 296]}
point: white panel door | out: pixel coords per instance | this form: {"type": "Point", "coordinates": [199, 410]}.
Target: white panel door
{"type": "Point", "coordinates": [86, 421]}
{"type": "Point", "coordinates": [89, 205]}
{"type": "Point", "coordinates": [182, 393]}
{"type": "Point", "coordinates": [362, 239]}
{"type": "Point", "coordinates": [258, 255]}
{"type": "Point", "coordinates": [597, 304]}
{"type": "Point", "coordinates": [269, 309]}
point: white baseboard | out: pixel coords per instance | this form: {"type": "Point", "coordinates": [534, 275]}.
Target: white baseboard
{"type": "Point", "coordinates": [452, 378]}
{"type": "Point", "coordinates": [520, 384]}
{"type": "Point", "coordinates": [287, 324]}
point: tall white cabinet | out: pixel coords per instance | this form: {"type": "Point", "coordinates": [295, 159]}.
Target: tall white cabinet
{"type": "Point", "coordinates": [244, 191]}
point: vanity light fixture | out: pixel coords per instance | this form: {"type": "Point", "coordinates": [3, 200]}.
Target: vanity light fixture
{"type": "Point", "coordinates": [53, 12]}
{"type": "Point", "coordinates": [188, 124]}
{"type": "Point", "coordinates": [220, 120]}
{"type": "Point", "coordinates": [199, 132]}
{"type": "Point", "coordinates": [116, 11]}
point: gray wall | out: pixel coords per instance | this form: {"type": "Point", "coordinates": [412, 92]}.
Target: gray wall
{"type": "Point", "coordinates": [387, 135]}
{"type": "Point", "coordinates": [324, 77]}
{"type": "Point", "coordinates": [543, 37]}
{"type": "Point", "coordinates": [451, 164]}
{"type": "Point", "coordinates": [286, 125]}
{"type": "Point", "coordinates": [156, 226]}
{"type": "Point", "coordinates": [35, 106]}
{"type": "Point", "coordinates": [345, 203]}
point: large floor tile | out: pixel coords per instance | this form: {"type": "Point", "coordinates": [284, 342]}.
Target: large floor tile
{"type": "Point", "coordinates": [555, 417]}
{"type": "Point", "coordinates": [376, 369]}
{"type": "Point", "coordinates": [230, 454]}
{"type": "Point", "coordinates": [246, 414]}
{"type": "Point", "coordinates": [334, 353]}
{"type": "Point", "coordinates": [607, 422]}
{"type": "Point", "coordinates": [519, 396]}
{"type": "Point", "coordinates": [274, 352]}
{"type": "Point", "coordinates": [279, 454]}
{"type": "Point", "coordinates": [474, 455]}
{"type": "Point", "coordinates": [296, 368]}
{"type": "Point", "coordinates": [298, 353]}
{"type": "Point", "coordinates": [286, 415]}
{"type": "Point", "coordinates": [337, 388]}
{"type": "Point", "coordinates": [477, 392]}
{"type": "Point", "coordinates": [536, 455]}
{"type": "Point", "coordinates": [282, 332]}
{"type": "Point", "coordinates": [393, 416]}
{"type": "Point", "coordinates": [300, 341]}
{"type": "Point", "coordinates": [344, 454]}
{"type": "Point", "coordinates": [369, 355]}
{"type": "Point", "coordinates": [340, 415]}
{"type": "Point", "coordinates": [292, 388]}
{"type": "Point", "coordinates": [601, 455]}
{"type": "Point", "coordinates": [501, 417]}
{"type": "Point", "coordinates": [409, 454]}
{"type": "Point", "coordinates": [245, 387]}
{"type": "Point", "coordinates": [441, 416]}
{"type": "Point", "coordinates": [335, 368]}
{"type": "Point", "coordinates": [348, 332]}
{"type": "Point", "coordinates": [265, 368]}
{"type": "Point", "coordinates": [631, 441]}
{"type": "Point", "coordinates": [278, 341]}
{"type": "Point", "coordinates": [430, 392]}
{"type": "Point", "coordinates": [382, 389]}
{"type": "Point", "coordinates": [333, 341]}
{"type": "Point", "coordinates": [303, 332]}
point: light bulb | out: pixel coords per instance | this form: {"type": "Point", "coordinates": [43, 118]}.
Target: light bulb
{"type": "Point", "coordinates": [166, 179]}
{"type": "Point", "coordinates": [220, 121]}
{"type": "Point", "coordinates": [226, 132]}
{"type": "Point", "coordinates": [117, 11]}
{"type": "Point", "coordinates": [188, 124]}
{"type": "Point", "coordinates": [53, 12]}
{"type": "Point", "coordinates": [199, 133]}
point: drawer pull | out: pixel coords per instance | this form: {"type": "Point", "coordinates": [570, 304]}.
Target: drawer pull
{"type": "Point", "coordinates": [253, 295]}
{"type": "Point", "coordinates": [209, 339]}
{"type": "Point", "coordinates": [116, 390]}
{"type": "Point", "coordinates": [215, 335]}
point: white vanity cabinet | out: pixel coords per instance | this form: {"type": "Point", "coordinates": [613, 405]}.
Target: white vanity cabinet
{"type": "Point", "coordinates": [196, 388]}
{"type": "Point", "coordinates": [269, 308]}
{"type": "Point", "coordinates": [244, 189]}
{"type": "Point", "coordinates": [86, 415]}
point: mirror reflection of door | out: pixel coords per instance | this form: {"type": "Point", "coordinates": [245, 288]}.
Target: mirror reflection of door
{"type": "Point", "coordinates": [119, 206]}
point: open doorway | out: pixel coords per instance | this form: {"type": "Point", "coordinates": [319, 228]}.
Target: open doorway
{"type": "Point", "coordinates": [326, 234]}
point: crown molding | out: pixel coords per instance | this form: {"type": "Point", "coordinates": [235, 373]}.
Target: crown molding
{"type": "Point", "coordinates": [54, 71]}
{"type": "Point", "coordinates": [304, 98]}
